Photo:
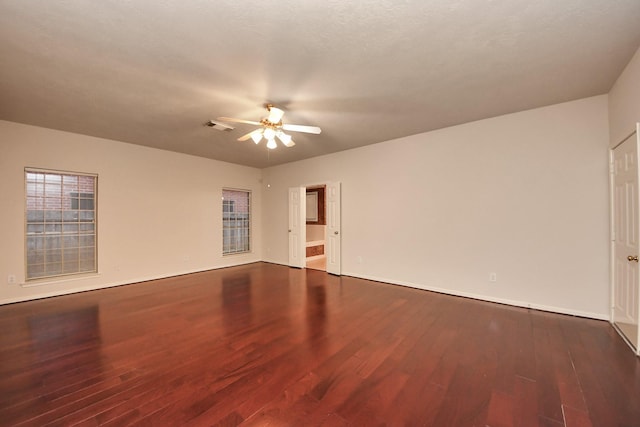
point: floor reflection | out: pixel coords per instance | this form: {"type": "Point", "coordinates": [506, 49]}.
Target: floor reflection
{"type": "Point", "coordinates": [236, 302]}
{"type": "Point", "coordinates": [64, 347]}
{"type": "Point", "coordinates": [65, 344]}
{"type": "Point", "coordinates": [52, 332]}
{"type": "Point", "coordinates": [316, 310]}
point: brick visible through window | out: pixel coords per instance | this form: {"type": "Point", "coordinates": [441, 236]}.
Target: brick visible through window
{"type": "Point", "coordinates": [60, 223]}
{"type": "Point", "coordinates": [236, 221]}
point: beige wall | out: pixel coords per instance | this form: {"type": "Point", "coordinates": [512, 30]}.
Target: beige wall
{"type": "Point", "coordinates": [159, 213]}
{"type": "Point", "coordinates": [523, 195]}
{"type": "Point", "coordinates": [624, 102]}
{"type": "Point", "coordinates": [315, 232]}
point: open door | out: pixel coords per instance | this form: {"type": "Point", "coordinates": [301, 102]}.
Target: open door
{"type": "Point", "coordinates": [334, 232]}
{"type": "Point", "coordinates": [626, 246]}
{"type": "Point", "coordinates": [297, 227]}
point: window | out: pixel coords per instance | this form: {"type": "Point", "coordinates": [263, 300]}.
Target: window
{"type": "Point", "coordinates": [236, 221]}
{"type": "Point", "coordinates": [60, 223]}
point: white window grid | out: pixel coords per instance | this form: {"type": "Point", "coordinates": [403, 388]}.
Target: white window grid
{"type": "Point", "coordinates": [60, 223]}
{"type": "Point", "coordinates": [236, 221]}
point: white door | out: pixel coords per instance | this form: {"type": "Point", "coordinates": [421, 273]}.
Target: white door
{"type": "Point", "coordinates": [625, 238]}
{"type": "Point", "coordinates": [297, 227]}
{"type": "Point", "coordinates": [334, 232]}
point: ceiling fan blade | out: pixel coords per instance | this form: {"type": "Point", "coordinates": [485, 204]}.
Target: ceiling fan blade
{"type": "Point", "coordinates": [231, 119]}
{"type": "Point", "coordinates": [300, 128]}
{"type": "Point", "coordinates": [289, 144]}
{"type": "Point", "coordinates": [247, 136]}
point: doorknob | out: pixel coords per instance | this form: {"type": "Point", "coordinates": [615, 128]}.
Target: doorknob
{"type": "Point", "coordinates": [632, 258]}
{"type": "Point", "coordinates": [335, 232]}
{"type": "Point", "coordinates": [289, 231]}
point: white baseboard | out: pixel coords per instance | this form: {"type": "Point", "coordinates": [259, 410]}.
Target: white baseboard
{"type": "Point", "coordinates": [124, 282]}
{"type": "Point", "coordinates": [515, 303]}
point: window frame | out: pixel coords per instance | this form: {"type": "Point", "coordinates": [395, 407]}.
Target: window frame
{"type": "Point", "coordinates": [233, 209]}
{"type": "Point", "coordinates": [61, 223]}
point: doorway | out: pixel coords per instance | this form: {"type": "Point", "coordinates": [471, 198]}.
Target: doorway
{"type": "Point", "coordinates": [315, 227]}
{"type": "Point", "coordinates": [625, 239]}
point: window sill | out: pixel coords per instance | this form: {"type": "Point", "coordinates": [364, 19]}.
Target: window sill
{"type": "Point", "coordinates": [238, 253]}
{"type": "Point", "coordinates": [58, 280]}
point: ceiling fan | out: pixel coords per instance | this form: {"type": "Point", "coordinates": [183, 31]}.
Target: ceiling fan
{"type": "Point", "coordinates": [272, 127]}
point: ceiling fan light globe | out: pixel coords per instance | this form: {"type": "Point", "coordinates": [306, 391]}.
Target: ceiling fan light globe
{"type": "Point", "coordinates": [275, 115]}
{"type": "Point", "coordinates": [271, 144]}
{"type": "Point", "coordinates": [269, 133]}
{"type": "Point", "coordinates": [257, 137]}
{"type": "Point", "coordinates": [286, 139]}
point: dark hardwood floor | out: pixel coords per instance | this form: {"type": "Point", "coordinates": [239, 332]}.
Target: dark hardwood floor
{"type": "Point", "coordinates": [264, 345]}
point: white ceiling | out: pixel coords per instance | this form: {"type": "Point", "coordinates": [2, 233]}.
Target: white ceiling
{"type": "Point", "coordinates": [151, 72]}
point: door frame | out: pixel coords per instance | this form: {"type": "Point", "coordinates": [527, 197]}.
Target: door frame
{"type": "Point", "coordinates": [612, 250]}
{"type": "Point", "coordinates": [319, 184]}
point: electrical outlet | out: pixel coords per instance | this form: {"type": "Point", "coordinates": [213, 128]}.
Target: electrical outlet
{"type": "Point", "coordinates": [186, 258]}
{"type": "Point", "coordinates": [493, 277]}
{"type": "Point", "coordinates": [11, 279]}
{"type": "Point", "coordinates": [359, 260]}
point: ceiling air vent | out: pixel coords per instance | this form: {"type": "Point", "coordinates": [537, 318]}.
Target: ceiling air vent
{"type": "Point", "coordinates": [219, 126]}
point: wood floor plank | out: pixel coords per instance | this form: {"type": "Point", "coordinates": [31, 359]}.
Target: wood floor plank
{"type": "Point", "coordinates": [500, 413]}
{"type": "Point", "coordinates": [525, 402]}
{"type": "Point", "coordinates": [575, 418]}
{"type": "Point", "coordinates": [264, 344]}
{"type": "Point", "coordinates": [549, 401]}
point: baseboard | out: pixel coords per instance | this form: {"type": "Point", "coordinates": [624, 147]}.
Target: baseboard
{"type": "Point", "coordinates": [625, 339]}
{"type": "Point", "coordinates": [113, 284]}
{"type": "Point", "coordinates": [453, 292]}
{"type": "Point", "coordinates": [515, 303]}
